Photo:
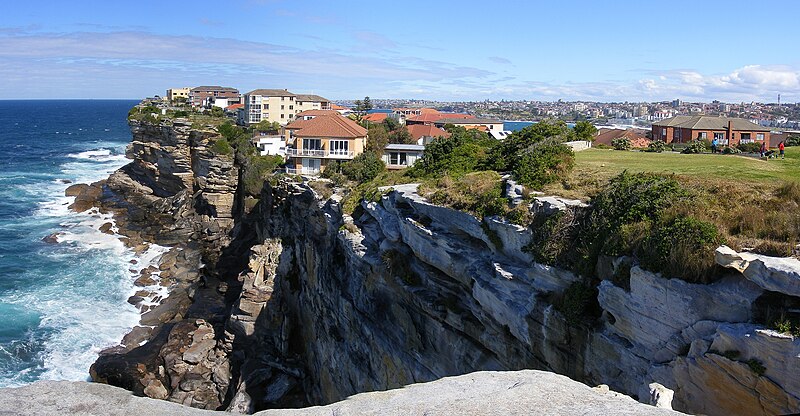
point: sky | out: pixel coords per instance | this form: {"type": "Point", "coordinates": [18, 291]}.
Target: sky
{"type": "Point", "coordinates": [732, 51]}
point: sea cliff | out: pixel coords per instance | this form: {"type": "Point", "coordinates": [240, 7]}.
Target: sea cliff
{"type": "Point", "coordinates": [291, 302]}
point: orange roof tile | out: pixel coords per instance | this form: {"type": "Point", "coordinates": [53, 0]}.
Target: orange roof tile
{"type": "Point", "coordinates": [419, 131]}
{"type": "Point", "coordinates": [328, 125]}
{"type": "Point", "coordinates": [375, 117]}
{"type": "Point", "coordinates": [316, 113]}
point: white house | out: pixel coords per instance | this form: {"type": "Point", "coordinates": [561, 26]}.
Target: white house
{"type": "Point", "coordinates": [270, 144]}
{"type": "Point", "coordinates": [401, 156]}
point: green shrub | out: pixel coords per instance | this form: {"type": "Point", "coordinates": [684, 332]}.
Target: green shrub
{"type": "Point", "coordinates": [622, 143]}
{"type": "Point", "coordinates": [479, 193]}
{"type": "Point", "coordinates": [575, 303]}
{"type": "Point", "coordinates": [364, 167]}
{"type": "Point", "coordinates": [792, 141]}
{"type": "Point", "coordinates": [463, 152]}
{"type": "Point", "coordinates": [756, 366]}
{"type": "Point", "coordinates": [221, 147]}
{"type": "Point", "coordinates": [543, 163]}
{"type": "Point", "coordinates": [656, 146]}
{"type": "Point", "coordinates": [749, 147]}
{"type": "Point", "coordinates": [256, 170]}
{"type": "Point", "coordinates": [682, 247]}
{"type": "Point", "coordinates": [731, 151]}
{"type": "Point", "coordinates": [695, 147]}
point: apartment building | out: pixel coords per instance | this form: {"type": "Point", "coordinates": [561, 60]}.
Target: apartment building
{"type": "Point", "coordinates": [278, 105]}
{"type": "Point", "coordinates": [207, 95]}
{"type": "Point", "coordinates": [175, 93]}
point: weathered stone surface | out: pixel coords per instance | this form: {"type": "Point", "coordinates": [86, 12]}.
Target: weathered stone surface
{"type": "Point", "coordinates": [506, 393]}
{"type": "Point", "coordinates": [660, 396]}
{"type": "Point", "coordinates": [778, 274]}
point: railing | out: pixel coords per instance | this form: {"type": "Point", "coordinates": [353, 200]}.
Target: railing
{"type": "Point", "coordinates": [334, 154]}
{"type": "Point", "coordinates": [303, 171]}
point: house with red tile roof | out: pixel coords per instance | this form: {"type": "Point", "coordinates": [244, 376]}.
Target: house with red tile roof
{"type": "Point", "coordinates": [375, 117]}
{"type": "Point", "coordinates": [316, 140]}
{"type": "Point", "coordinates": [430, 118]}
{"type": "Point", "coordinates": [637, 137]}
{"type": "Point", "coordinates": [426, 133]}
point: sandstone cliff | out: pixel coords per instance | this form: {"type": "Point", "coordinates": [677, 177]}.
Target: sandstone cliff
{"type": "Point", "coordinates": [300, 304]}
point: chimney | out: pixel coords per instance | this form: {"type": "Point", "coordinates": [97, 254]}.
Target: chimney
{"type": "Point", "coordinates": [730, 132]}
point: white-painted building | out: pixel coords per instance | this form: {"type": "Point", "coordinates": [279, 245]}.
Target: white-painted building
{"type": "Point", "coordinates": [270, 144]}
{"type": "Point", "coordinates": [401, 156]}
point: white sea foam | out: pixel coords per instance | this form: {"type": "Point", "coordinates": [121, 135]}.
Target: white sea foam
{"type": "Point", "coordinates": [83, 309]}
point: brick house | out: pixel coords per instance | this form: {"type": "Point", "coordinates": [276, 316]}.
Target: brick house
{"type": "Point", "coordinates": [205, 95]}
{"type": "Point", "coordinates": [727, 130]}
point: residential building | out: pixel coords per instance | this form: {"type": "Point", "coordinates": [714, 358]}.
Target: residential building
{"type": "Point", "coordinates": [316, 140]}
{"type": "Point", "coordinates": [273, 105]}
{"type": "Point", "coordinates": [279, 105]}
{"type": "Point", "coordinates": [637, 137]}
{"type": "Point", "coordinates": [483, 124]}
{"type": "Point", "coordinates": [426, 133]}
{"type": "Point", "coordinates": [430, 117]}
{"type": "Point", "coordinates": [205, 96]}
{"type": "Point", "coordinates": [270, 144]}
{"type": "Point", "coordinates": [174, 94]}
{"type": "Point", "coordinates": [727, 130]}
{"type": "Point", "coordinates": [401, 156]}
{"type": "Point", "coordinates": [376, 118]}
{"type": "Point", "coordinates": [304, 102]}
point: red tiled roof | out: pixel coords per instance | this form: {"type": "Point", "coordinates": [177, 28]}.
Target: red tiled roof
{"type": "Point", "coordinates": [338, 107]}
{"type": "Point", "coordinates": [375, 117]}
{"type": "Point", "coordinates": [606, 135]}
{"type": "Point", "coordinates": [419, 131]}
{"type": "Point", "coordinates": [328, 125]}
{"type": "Point", "coordinates": [432, 117]}
{"type": "Point", "coordinates": [234, 106]}
{"type": "Point", "coordinates": [316, 113]}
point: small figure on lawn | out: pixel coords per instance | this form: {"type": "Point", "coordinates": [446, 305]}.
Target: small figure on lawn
{"type": "Point", "coordinates": [780, 150]}
{"type": "Point", "coordinates": [763, 148]}
{"type": "Point", "coordinates": [714, 144]}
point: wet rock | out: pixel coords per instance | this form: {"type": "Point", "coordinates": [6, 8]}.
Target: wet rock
{"type": "Point", "coordinates": [52, 238]}
{"type": "Point", "coordinates": [106, 228]}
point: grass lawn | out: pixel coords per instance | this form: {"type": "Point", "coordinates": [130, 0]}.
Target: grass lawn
{"type": "Point", "coordinates": [594, 166]}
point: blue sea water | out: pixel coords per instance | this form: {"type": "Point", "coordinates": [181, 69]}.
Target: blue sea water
{"type": "Point", "coordinates": [60, 304]}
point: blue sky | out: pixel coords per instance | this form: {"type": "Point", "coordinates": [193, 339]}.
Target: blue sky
{"type": "Point", "coordinates": [448, 50]}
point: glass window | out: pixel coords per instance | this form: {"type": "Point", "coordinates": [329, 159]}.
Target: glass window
{"type": "Point", "coordinates": [703, 135]}
{"type": "Point", "coordinates": [312, 144]}
{"type": "Point", "coordinates": [339, 147]}
{"type": "Point", "coordinates": [398, 158]}
{"type": "Point", "coordinates": [759, 136]}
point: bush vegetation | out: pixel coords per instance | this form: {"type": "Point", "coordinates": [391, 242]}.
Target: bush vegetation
{"type": "Point", "coordinates": [656, 146]}
{"type": "Point", "coordinates": [749, 147]}
{"type": "Point", "coordinates": [622, 143]}
{"type": "Point", "coordinates": [697, 146]}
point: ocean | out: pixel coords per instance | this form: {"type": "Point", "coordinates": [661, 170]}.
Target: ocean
{"type": "Point", "coordinates": [60, 304]}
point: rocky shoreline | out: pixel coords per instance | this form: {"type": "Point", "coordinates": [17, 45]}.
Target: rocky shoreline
{"type": "Point", "coordinates": [290, 302]}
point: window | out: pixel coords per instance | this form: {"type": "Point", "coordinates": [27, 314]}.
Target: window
{"type": "Point", "coordinates": [664, 132]}
{"type": "Point", "coordinates": [281, 106]}
{"type": "Point", "coordinates": [339, 147]}
{"type": "Point", "coordinates": [283, 98]}
{"type": "Point", "coordinates": [398, 158]}
{"type": "Point", "coordinates": [760, 136]}
{"type": "Point", "coordinates": [266, 106]}
{"type": "Point", "coordinates": [720, 137]}
{"type": "Point", "coordinates": [703, 135]}
{"type": "Point", "coordinates": [291, 107]}
{"type": "Point", "coordinates": [745, 138]}
{"type": "Point", "coordinates": [282, 116]}
{"type": "Point", "coordinates": [312, 144]}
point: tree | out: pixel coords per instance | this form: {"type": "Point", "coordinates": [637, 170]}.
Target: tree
{"type": "Point", "coordinates": [362, 107]}
{"type": "Point", "coordinates": [267, 126]}
{"type": "Point", "coordinates": [504, 156]}
{"type": "Point", "coordinates": [377, 138]}
{"type": "Point", "coordinates": [391, 124]}
{"type": "Point", "coordinates": [401, 135]}
{"type": "Point", "coordinates": [585, 131]}
{"type": "Point", "coordinates": [364, 167]}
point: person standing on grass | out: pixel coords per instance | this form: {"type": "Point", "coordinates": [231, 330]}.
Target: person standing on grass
{"type": "Point", "coordinates": [780, 150]}
{"type": "Point", "coordinates": [714, 144]}
{"type": "Point", "coordinates": [763, 148]}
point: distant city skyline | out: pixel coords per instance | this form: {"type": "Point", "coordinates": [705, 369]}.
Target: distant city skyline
{"type": "Point", "coordinates": [465, 51]}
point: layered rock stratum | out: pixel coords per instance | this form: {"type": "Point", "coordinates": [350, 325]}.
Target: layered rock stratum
{"type": "Point", "coordinates": [290, 302]}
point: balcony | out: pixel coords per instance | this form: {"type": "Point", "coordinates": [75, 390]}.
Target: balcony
{"type": "Point", "coordinates": [303, 171]}
{"type": "Point", "coordinates": [322, 153]}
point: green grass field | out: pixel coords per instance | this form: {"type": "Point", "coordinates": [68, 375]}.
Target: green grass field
{"type": "Point", "coordinates": [719, 166]}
